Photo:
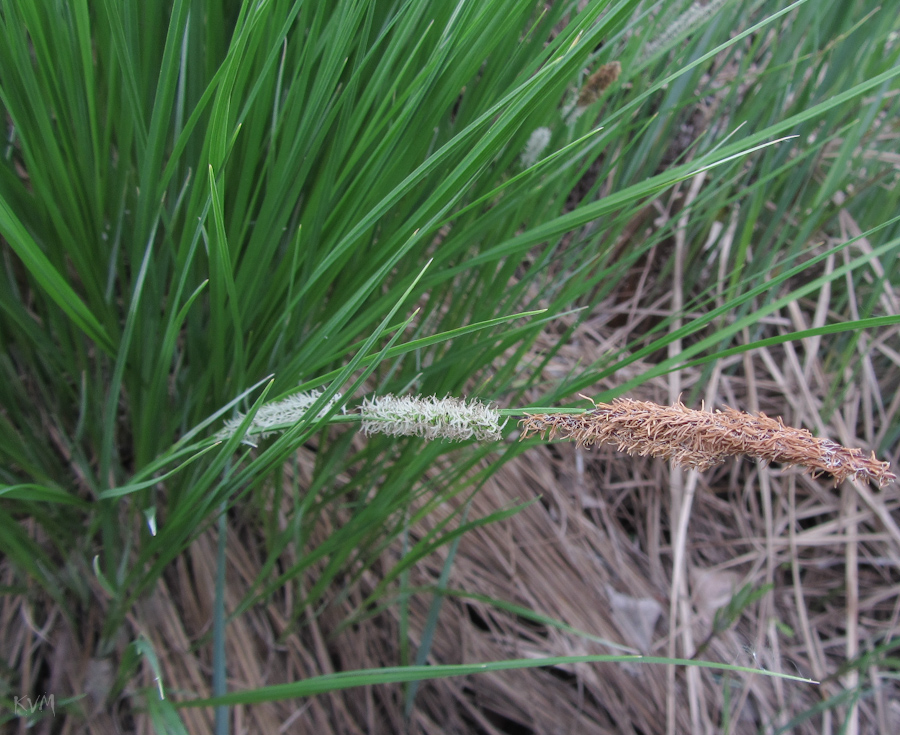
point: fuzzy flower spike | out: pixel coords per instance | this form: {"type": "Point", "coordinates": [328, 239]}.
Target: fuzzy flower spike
{"type": "Point", "coordinates": [431, 418]}
{"type": "Point", "coordinates": [700, 440]}
{"type": "Point", "coordinates": [272, 418]}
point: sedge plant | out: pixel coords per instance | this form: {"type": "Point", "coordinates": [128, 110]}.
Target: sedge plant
{"type": "Point", "coordinates": [207, 208]}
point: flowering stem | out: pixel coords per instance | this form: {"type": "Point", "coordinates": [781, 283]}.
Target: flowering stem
{"type": "Point", "coordinates": [697, 439]}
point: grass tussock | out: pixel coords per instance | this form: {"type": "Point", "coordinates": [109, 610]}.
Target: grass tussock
{"type": "Point", "coordinates": [267, 216]}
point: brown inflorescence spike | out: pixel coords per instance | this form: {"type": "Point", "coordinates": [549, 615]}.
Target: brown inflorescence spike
{"type": "Point", "coordinates": [700, 439]}
{"type": "Point", "coordinates": [598, 82]}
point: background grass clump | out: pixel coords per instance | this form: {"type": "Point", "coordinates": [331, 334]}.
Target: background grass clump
{"type": "Point", "coordinates": [208, 206]}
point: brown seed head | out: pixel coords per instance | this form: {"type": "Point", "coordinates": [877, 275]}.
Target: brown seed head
{"type": "Point", "coordinates": [700, 440]}
{"type": "Point", "coordinates": [598, 82]}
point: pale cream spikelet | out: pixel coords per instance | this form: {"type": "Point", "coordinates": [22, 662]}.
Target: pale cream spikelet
{"type": "Point", "coordinates": [430, 417]}
{"type": "Point", "coordinates": [272, 418]}
{"type": "Point", "coordinates": [535, 147]}
{"type": "Point", "coordinates": [696, 14]}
